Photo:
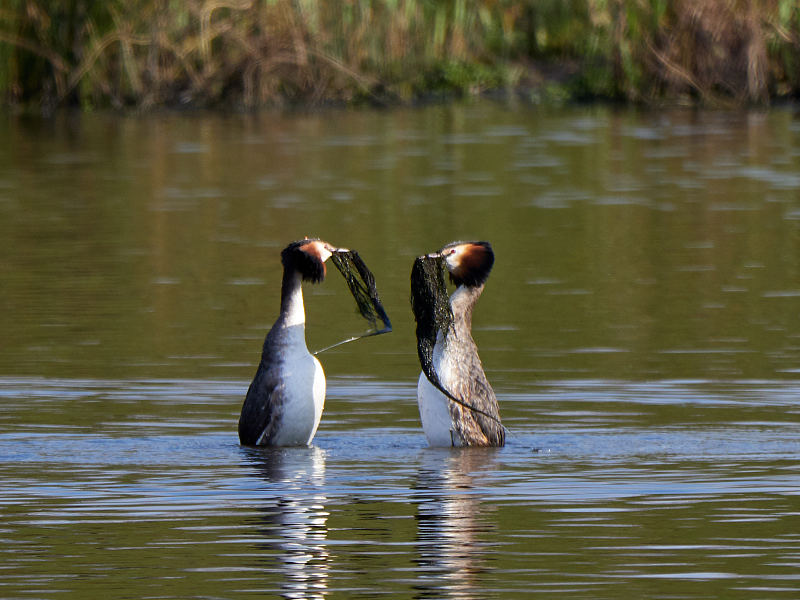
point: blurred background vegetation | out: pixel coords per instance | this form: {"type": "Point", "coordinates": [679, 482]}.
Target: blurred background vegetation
{"type": "Point", "coordinates": [251, 53]}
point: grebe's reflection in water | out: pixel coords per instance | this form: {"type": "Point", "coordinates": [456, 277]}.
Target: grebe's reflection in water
{"type": "Point", "coordinates": [294, 518]}
{"type": "Point", "coordinates": [453, 521]}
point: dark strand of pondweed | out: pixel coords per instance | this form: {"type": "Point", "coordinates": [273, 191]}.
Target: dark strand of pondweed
{"type": "Point", "coordinates": [431, 306]}
{"type": "Point", "coordinates": [361, 282]}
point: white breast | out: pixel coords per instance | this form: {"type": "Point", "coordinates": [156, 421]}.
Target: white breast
{"type": "Point", "coordinates": [302, 401]}
{"type": "Point", "coordinates": [434, 414]}
{"type": "Point", "coordinates": [433, 405]}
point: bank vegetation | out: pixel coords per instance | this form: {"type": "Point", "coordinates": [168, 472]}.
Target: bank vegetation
{"type": "Point", "coordinates": [254, 53]}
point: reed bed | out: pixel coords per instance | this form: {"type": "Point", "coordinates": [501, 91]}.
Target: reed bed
{"type": "Point", "coordinates": [252, 53]}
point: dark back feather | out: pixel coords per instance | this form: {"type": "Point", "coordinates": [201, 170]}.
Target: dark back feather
{"type": "Point", "coordinates": [261, 411]}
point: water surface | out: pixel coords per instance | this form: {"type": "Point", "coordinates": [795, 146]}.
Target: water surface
{"type": "Point", "coordinates": [640, 328]}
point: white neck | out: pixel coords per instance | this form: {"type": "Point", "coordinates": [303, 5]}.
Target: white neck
{"type": "Point", "coordinates": [292, 310]}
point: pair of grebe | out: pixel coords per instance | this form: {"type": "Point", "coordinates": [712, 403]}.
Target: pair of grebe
{"type": "Point", "coordinates": [457, 405]}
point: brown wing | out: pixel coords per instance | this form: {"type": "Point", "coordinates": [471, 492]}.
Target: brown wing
{"type": "Point", "coordinates": [474, 389]}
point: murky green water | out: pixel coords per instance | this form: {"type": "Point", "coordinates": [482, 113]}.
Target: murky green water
{"type": "Point", "coordinates": [641, 328]}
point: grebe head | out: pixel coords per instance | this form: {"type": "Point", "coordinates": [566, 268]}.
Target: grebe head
{"type": "Point", "coordinates": [308, 257]}
{"type": "Point", "coordinates": [468, 263]}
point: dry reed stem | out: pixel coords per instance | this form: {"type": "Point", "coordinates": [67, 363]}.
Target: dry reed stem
{"type": "Point", "coordinates": [262, 52]}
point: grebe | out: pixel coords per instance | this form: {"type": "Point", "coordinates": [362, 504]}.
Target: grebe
{"type": "Point", "coordinates": [284, 402]}
{"type": "Point", "coordinates": [457, 405]}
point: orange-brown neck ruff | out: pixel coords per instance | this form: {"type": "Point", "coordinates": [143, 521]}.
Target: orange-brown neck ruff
{"type": "Point", "coordinates": [469, 263]}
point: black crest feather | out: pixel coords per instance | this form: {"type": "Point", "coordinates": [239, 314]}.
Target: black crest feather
{"type": "Point", "coordinates": [308, 263]}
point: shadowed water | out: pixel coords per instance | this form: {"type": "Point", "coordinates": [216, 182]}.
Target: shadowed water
{"type": "Point", "coordinates": [641, 329]}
